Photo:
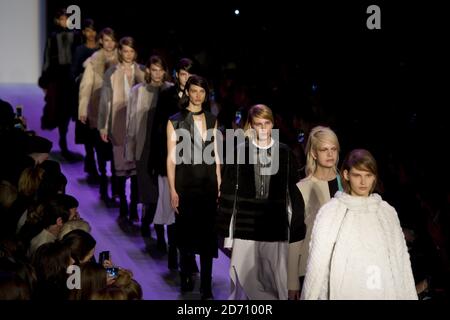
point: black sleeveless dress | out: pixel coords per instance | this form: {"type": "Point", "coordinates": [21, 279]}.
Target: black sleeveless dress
{"type": "Point", "coordinates": [196, 185]}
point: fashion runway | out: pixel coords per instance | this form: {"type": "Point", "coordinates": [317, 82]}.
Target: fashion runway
{"type": "Point", "coordinates": [128, 249]}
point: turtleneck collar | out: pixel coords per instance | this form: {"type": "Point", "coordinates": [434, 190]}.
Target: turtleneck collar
{"type": "Point", "coordinates": [361, 204]}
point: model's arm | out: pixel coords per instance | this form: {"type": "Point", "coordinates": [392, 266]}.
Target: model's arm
{"type": "Point", "coordinates": [171, 148]}
{"type": "Point", "coordinates": [407, 290]}
{"type": "Point", "coordinates": [217, 157]}
{"type": "Point", "coordinates": [296, 236]}
{"type": "Point", "coordinates": [86, 87]}
{"type": "Point", "coordinates": [297, 230]}
{"type": "Point", "coordinates": [131, 125]}
{"type": "Point", "coordinates": [104, 108]}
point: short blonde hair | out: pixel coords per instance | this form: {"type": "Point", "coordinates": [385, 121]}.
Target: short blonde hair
{"type": "Point", "coordinates": [258, 111]}
{"type": "Point", "coordinates": [29, 180]}
{"type": "Point", "coordinates": [317, 136]}
{"type": "Point", "coordinates": [74, 225]}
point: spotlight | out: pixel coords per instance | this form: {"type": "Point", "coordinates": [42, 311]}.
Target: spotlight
{"type": "Point", "coordinates": [236, 12]}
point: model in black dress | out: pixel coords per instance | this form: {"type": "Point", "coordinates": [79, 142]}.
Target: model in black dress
{"type": "Point", "coordinates": [194, 184]}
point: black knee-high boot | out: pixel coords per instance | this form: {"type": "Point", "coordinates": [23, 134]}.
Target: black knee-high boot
{"type": "Point", "coordinates": [172, 262]}
{"type": "Point", "coordinates": [160, 239]}
{"type": "Point", "coordinates": [89, 163]}
{"type": "Point", "coordinates": [148, 213]}
{"type": "Point", "coordinates": [121, 183]}
{"type": "Point", "coordinates": [206, 262]}
{"type": "Point", "coordinates": [186, 277]}
{"type": "Point", "coordinates": [103, 188]}
{"type": "Point", "coordinates": [134, 217]}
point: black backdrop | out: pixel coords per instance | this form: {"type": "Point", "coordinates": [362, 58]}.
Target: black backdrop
{"type": "Point", "coordinates": [380, 89]}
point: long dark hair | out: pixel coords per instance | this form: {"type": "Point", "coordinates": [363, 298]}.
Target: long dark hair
{"type": "Point", "coordinates": [198, 81]}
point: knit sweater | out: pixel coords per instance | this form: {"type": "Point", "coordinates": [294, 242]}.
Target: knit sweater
{"type": "Point", "coordinates": [315, 194]}
{"type": "Point", "coordinates": [358, 251]}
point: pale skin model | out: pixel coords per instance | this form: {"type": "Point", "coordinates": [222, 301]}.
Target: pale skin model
{"type": "Point", "coordinates": [108, 47]}
{"type": "Point", "coordinates": [325, 155]}
{"type": "Point", "coordinates": [326, 158]}
{"type": "Point", "coordinates": [196, 96]}
{"type": "Point", "coordinates": [263, 128]}
{"type": "Point", "coordinates": [361, 181]}
{"type": "Point", "coordinates": [128, 55]}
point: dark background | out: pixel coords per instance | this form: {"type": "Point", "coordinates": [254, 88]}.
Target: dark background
{"type": "Point", "coordinates": [315, 62]}
{"type": "Point", "coordinates": [379, 89]}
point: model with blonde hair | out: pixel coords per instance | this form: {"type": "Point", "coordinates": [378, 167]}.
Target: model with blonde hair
{"type": "Point", "coordinates": [256, 200]}
{"type": "Point", "coordinates": [358, 250]}
{"type": "Point", "coordinates": [317, 188]}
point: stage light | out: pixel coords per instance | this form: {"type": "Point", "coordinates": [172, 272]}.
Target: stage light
{"type": "Point", "coordinates": [236, 12]}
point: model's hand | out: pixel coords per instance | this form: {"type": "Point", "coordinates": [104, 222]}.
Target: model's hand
{"type": "Point", "coordinates": [104, 137]}
{"type": "Point", "coordinates": [293, 295]}
{"type": "Point", "coordinates": [82, 119]}
{"type": "Point", "coordinates": [174, 200]}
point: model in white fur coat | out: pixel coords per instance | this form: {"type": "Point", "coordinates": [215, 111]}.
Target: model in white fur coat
{"type": "Point", "coordinates": [357, 248]}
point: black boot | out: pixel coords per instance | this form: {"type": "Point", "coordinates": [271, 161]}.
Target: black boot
{"type": "Point", "coordinates": [103, 188]}
{"type": "Point", "coordinates": [186, 282]}
{"type": "Point", "coordinates": [89, 165]}
{"type": "Point", "coordinates": [65, 153]}
{"type": "Point", "coordinates": [148, 213]}
{"type": "Point", "coordinates": [134, 216]}
{"type": "Point", "coordinates": [160, 240]}
{"type": "Point", "coordinates": [206, 277]}
{"type": "Point", "coordinates": [121, 183]}
{"type": "Point", "coordinates": [172, 261]}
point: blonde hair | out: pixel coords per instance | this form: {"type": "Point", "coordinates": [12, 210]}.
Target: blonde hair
{"type": "Point", "coordinates": [29, 180]}
{"type": "Point", "coordinates": [74, 225]}
{"type": "Point", "coordinates": [317, 136]}
{"type": "Point", "coordinates": [130, 286]}
{"type": "Point", "coordinates": [257, 111]}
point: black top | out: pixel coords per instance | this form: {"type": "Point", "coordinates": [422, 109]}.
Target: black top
{"type": "Point", "coordinates": [196, 185]}
{"type": "Point", "coordinates": [167, 106]}
{"type": "Point", "coordinates": [82, 53]}
{"type": "Point", "coordinates": [260, 219]}
{"type": "Point", "coordinates": [191, 177]}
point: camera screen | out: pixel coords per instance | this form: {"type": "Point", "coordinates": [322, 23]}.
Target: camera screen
{"type": "Point", "coordinates": [112, 272]}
